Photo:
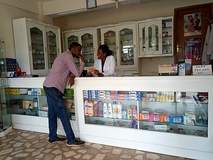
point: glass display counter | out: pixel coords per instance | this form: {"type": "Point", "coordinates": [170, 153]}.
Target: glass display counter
{"type": "Point", "coordinates": [173, 112]}
{"type": "Point", "coordinates": [33, 102]}
{"type": "Point", "coordinates": [165, 114]}
{"type": "Point", "coordinates": [5, 119]}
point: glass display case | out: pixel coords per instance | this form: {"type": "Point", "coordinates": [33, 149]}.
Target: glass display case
{"type": "Point", "coordinates": [5, 119]}
{"type": "Point", "coordinates": [52, 47]}
{"type": "Point", "coordinates": [164, 114]}
{"type": "Point", "coordinates": [169, 112]}
{"type": "Point", "coordinates": [38, 49]}
{"type": "Point", "coordinates": [121, 39]}
{"type": "Point", "coordinates": [156, 37]}
{"type": "Point", "coordinates": [70, 39]}
{"type": "Point", "coordinates": [33, 102]}
{"type": "Point", "coordinates": [88, 38]}
{"type": "Point", "coordinates": [88, 49]}
{"type": "Point", "coordinates": [39, 46]}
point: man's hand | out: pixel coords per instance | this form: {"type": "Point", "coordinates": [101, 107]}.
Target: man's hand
{"type": "Point", "coordinates": [71, 81]}
{"type": "Point", "coordinates": [81, 57]}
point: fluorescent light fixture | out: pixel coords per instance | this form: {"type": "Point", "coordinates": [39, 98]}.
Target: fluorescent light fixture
{"type": "Point", "coordinates": [72, 12]}
{"type": "Point", "coordinates": [82, 10]}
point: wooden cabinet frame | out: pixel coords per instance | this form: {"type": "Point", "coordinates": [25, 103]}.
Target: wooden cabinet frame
{"type": "Point", "coordinates": [206, 12]}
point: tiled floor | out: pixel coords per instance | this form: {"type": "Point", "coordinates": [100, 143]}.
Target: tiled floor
{"type": "Point", "coordinates": [27, 145]}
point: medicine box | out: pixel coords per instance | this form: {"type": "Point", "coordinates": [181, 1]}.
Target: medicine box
{"type": "Point", "coordinates": [27, 104]}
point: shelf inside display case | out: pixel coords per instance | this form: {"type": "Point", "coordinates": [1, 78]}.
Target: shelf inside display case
{"type": "Point", "coordinates": [33, 102]}
{"type": "Point", "coordinates": [172, 112]}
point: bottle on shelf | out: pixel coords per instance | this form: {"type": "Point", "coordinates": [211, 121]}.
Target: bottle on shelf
{"type": "Point", "coordinates": [124, 113]}
{"type": "Point", "coordinates": [100, 108]}
{"type": "Point", "coordinates": [90, 108]}
{"type": "Point", "coordinates": [35, 104]}
{"type": "Point", "coordinates": [114, 110]}
{"type": "Point", "coordinates": [129, 112]}
{"type": "Point", "coordinates": [119, 107]}
{"type": "Point", "coordinates": [110, 110]}
{"type": "Point", "coordinates": [105, 110]}
{"type": "Point", "coordinates": [134, 112]}
{"type": "Point", "coordinates": [86, 107]}
{"type": "Point", "coordinates": [95, 107]}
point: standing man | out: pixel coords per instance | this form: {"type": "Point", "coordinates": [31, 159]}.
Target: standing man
{"type": "Point", "coordinates": [63, 70]}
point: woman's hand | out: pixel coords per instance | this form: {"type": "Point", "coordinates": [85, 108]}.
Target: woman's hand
{"type": "Point", "coordinates": [88, 74]}
{"type": "Point", "coordinates": [96, 72]}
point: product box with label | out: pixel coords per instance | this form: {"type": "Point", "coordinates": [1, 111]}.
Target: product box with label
{"type": "Point", "coordinates": [167, 69]}
{"type": "Point", "coordinates": [70, 105]}
{"type": "Point", "coordinates": [27, 104]}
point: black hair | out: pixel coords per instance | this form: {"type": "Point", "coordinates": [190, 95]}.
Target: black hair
{"type": "Point", "coordinates": [105, 49]}
{"type": "Point", "coordinates": [74, 44]}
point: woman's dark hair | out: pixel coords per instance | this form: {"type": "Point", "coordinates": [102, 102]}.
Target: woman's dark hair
{"type": "Point", "coordinates": [105, 49]}
{"type": "Point", "coordinates": [74, 44]}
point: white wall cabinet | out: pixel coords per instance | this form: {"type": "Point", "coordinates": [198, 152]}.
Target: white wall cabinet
{"type": "Point", "coordinates": [36, 45]}
{"type": "Point", "coordinates": [156, 37]}
{"type": "Point", "coordinates": [88, 38]}
{"type": "Point", "coordinates": [122, 39]}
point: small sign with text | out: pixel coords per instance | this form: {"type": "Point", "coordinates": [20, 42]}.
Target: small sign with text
{"type": "Point", "coordinates": [202, 69]}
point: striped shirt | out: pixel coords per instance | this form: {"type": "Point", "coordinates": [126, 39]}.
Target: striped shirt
{"type": "Point", "coordinates": [63, 66]}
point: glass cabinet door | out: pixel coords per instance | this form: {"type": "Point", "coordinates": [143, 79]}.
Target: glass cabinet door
{"type": "Point", "coordinates": [126, 47]}
{"type": "Point", "coordinates": [167, 38]}
{"type": "Point", "coordinates": [153, 37]}
{"type": "Point", "coordinates": [88, 49]}
{"type": "Point", "coordinates": [109, 38]}
{"type": "Point", "coordinates": [37, 46]}
{"type": "Point", "coordinates": [2, 60]}
{"type": "Point", "coordinates": [70, 39]}
{"type": "Point", "coordinates": [142, 39]}
{"type": "Point", "coordinates": [52, 49]}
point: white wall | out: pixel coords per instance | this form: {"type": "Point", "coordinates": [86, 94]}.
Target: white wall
{"type": "Point", "coordinates": [12, 9]}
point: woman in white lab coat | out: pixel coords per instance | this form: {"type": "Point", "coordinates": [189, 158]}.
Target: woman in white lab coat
{"type": "Point", "coordinates": [105, 64]}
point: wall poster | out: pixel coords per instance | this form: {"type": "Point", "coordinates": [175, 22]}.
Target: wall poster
{"type": "Point", "coordinates": [193, 49]}
{"type": "Point", "coordinates": [192, 24]}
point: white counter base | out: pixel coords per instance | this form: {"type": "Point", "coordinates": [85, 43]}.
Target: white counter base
{"type": "Point", "coordinates": [38, 124]}
{"type": "Point", "coordinates": [2, 134]}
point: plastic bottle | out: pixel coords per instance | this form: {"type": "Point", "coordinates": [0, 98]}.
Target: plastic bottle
{"type": "Point", "coordinates": [105, 110]}
{"type": "Point", "coordinates": [90, 108]}
{"type": "Point", "coordinates": [86, 107]}
{"type": "Point", "coordinates": [119, 108]}
{"type": "Point", "coordinates": [110, 110]}
{"type": "Point", "coordinates": [100, 109]}
{"type": "Point", "coordinates": [35, 103]}
{"type": "Point", "coordinates": [129, 113]}
{"type": "Point", "coordinates": [124, 114]}
{"type": "Point", "coordinates": [95, 113]}
{"type": "Point", "coordinates": [114, 110]}
{"type": "Point", "coordinates": [134, 113]}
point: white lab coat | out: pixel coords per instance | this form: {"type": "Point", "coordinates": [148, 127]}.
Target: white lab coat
{"type": "Point", "coordinates": [208, 47]}
{"type": "Point", "coordinates": [109, 66]}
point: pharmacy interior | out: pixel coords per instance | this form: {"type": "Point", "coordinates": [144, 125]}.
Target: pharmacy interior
{"type": "Point", "coordinates": [167, 112]}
